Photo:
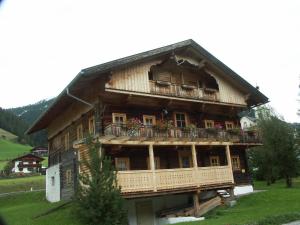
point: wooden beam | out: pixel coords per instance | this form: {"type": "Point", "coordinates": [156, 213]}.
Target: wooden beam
{"type": "Point", "coordinates": [194, 155]}
{"type": "Point", "coordinates": [152, 165]}
{"type": "Point", "coordinates": [229, 160]}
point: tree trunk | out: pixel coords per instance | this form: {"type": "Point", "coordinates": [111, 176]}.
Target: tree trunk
{"type": "Point", "coordinates": [288, 181]}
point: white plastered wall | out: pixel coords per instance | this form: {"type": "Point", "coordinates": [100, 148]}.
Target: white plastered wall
{"type": "Point", "coordinates": [53, 184]}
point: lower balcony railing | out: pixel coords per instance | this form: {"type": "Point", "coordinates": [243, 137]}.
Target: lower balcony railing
{"type": "Point", "coordinates": [169, 179]}
{"type": "Point", "coordinates": [209, 134]}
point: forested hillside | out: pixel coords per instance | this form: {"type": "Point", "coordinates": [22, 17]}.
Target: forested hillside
{"type": "Point", "coordinates": [17, 121]}
{"type": "Point", "coordinates": [30, 113]}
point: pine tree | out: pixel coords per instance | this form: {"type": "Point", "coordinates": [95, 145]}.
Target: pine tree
{"type": "Point", "coordinates": [98, 199]}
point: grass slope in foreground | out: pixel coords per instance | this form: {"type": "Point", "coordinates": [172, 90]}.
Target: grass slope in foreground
{"type": "Point", "coordinates": [10, 150]}
{"type": "Point", "coordinates": [277, 200]}
{"type": "Point", "coordinates": [22, 184]}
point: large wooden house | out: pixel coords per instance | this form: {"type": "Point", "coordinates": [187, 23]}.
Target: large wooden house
{"type": "Point", "coordinates": [168, 118]}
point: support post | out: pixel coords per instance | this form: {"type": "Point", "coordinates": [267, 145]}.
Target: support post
{"type": "Point", "coordinates": [152, 165]}
{"type": "Point", "coordinates": [229, 161]}
{"type": "Point", "coordinates": [196, 203]}
{"type": "Point", "coordinates": [194, 155]}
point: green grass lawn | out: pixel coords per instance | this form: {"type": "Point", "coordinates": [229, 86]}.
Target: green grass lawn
{"type": "Point", "coordinates": [2, 164]}
{"type": "Point", "coordinates": [22, 184]}
{"type": "Point", "coordinates": [20, 210]}
{"type": "Point", "coordinates": [277, 200]}
{"type": "Point", "coordinates": [7, 135]}
{"type": "Point", "coordinates": [10, 150]}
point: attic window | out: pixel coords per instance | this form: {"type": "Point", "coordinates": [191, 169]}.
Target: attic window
{"type": "Point", "coordinates": [150, 75]}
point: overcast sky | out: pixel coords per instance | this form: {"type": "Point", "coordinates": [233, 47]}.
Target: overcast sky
{"type": "Point", "coordinates": [44, 44]}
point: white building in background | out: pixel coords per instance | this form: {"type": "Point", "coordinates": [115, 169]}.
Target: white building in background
{"type": "Point", "coordinates": [247, 122]}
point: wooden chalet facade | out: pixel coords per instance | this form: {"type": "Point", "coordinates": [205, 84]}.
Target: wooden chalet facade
{"type": "Point", "coordinates": [27, 163]}
{"type": "Point", "coordinates": [167, 117]}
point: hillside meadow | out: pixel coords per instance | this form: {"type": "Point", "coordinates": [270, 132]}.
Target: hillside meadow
{"type": "Point", "coordinates": [276, 205]}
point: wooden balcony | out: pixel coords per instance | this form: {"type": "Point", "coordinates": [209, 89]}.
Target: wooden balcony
{"type": "Point", "coordinates": [170, 179]}
{"type": "Point", "coordinates": [190, 134]}
{"type": "Point", "coordinates": [184, 91]}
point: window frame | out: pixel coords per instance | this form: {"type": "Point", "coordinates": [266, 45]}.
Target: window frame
{"type": "Point", "coordinates": [79, 132]}
{"type": "Point", "coordinates": [228, 124]}
{"type": "Point", "coordinates": [185, 153]}
{"type": "Point", "coordinates": [114, 115]}
{"type": "Point", "coordinates": [67, 141]}
{"type": "Point", "coordinates": [145, 117]}
{"type": "Point", "coordinates": [68, 176]}
{"type": "Point", "coordinates": [206, 122]}
{"type": "Point", "coordinates": [92, 126]}
{"type": "Point", "coordinates": [185, 119]}
{"type": "Point", "coordinates": [238, 162]}
{"type": "Point", "coordinates": [126, 160]}
{"type": "Point", "coordinates": [212, 158]}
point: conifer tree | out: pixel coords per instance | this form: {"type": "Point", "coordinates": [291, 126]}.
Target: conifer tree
{"type": "Point", "coordinates": [98, 199]}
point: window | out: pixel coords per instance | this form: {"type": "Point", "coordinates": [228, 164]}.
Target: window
{"type": "Point", "coordinates": [214, 161]}
{"type": "Point", "coordinates": [67, 141]}
{"type": "Point", "coordinates": [119, 118]}
{"type": "Point", "coordinates": [92, 125]}
{"type": "Point", "coordinates": [235, 161]}
{"type": "Point", "coordinates": [229, 125]}
{"type": "Point", "coordinates": [149, 120]}
{"type": "Point", "coordinates": [245, 125]}
{"type": "Point", "coordinates": [52, 181]}
{"type": "Point", "coordinates": [122, 163]}
{"type": "Point", "coordinates": [185, 159]}
{"type": "Point", "coordinates": [209, 123]}
{"type": "Point", "coordinates": [156, 163]}
{"type": "Point", "coordinates": [180, 119]}
{"type": "Point", "coordinates": [79, 131]}
{"type": "Point", "coordinates": [68, 176]}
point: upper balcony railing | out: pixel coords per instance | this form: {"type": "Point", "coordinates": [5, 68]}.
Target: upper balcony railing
{"type": "Point", "coordinates": [193, 134]}
{"type": "Point", "coordinates": [185, 91]}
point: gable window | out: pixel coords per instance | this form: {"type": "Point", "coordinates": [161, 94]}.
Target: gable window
{"type": "Point", "coordinates": [209, 123]}
{"type": "Point", "coordinates": [122, 163]}
{"type": "Point", "coordinates": [119, 118]}
{"type": "Point", "coordinates": [149, 120]}
{"type": "Point", "coordinates": [214, 161]}
{"type": "Point", "coordinates": [67, 141]}
{"type": "Point", "coordinates": [235, 162]}
{"type": "Point", "coordinates": [229, 125]}
{"type": "Point", "coordinates": [92, 125]}
{"type": "Point", "coordinates": [68, 176]}
{"type": "Point", "coordinates": [180, 120]}
{"type": "Point", "coordinates": [79, 132]}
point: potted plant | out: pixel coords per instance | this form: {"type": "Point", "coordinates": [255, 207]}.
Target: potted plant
{"type": "Point", "coordinates": [134, 125]}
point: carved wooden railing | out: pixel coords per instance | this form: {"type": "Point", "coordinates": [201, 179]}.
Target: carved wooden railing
{"type": "Point", "coordinates": [186, 91]}
{"type": "Point", "coordinates": [168, 179]}
{"type": "Point", "coordinates": [210, 134]}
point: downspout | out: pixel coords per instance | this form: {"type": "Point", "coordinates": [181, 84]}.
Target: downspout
{"type": "Point", "coordinates": [78, 99]}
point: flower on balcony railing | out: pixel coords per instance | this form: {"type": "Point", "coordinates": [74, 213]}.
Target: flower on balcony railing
{"type": "Point", "coordinates": [190, 127]}
{"type": "Point", "coordinates": [134, 123]}
{"type": "Point", "coordinates": [235, 131]}
{"type": "Point", "coordinates": [164, 124]}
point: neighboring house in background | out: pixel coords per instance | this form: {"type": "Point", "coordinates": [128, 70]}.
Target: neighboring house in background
{"type": "Point", "coordinates": [248, 122]}
{"type": "Point", "coordinates": [168, 118]}
{"type": "Point", "coordinates": [40, 151]}
{"type": "Point", "coordinates": [28, 163]}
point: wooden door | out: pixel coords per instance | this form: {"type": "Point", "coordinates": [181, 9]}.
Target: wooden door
{"type": "Point", "coordinates": [144, 213]}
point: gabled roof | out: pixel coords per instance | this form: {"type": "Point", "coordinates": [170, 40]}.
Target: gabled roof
{"type": "Point", "coordinates": [92, 72]}
{"type": "Point", "coordinates": [28, 155]}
